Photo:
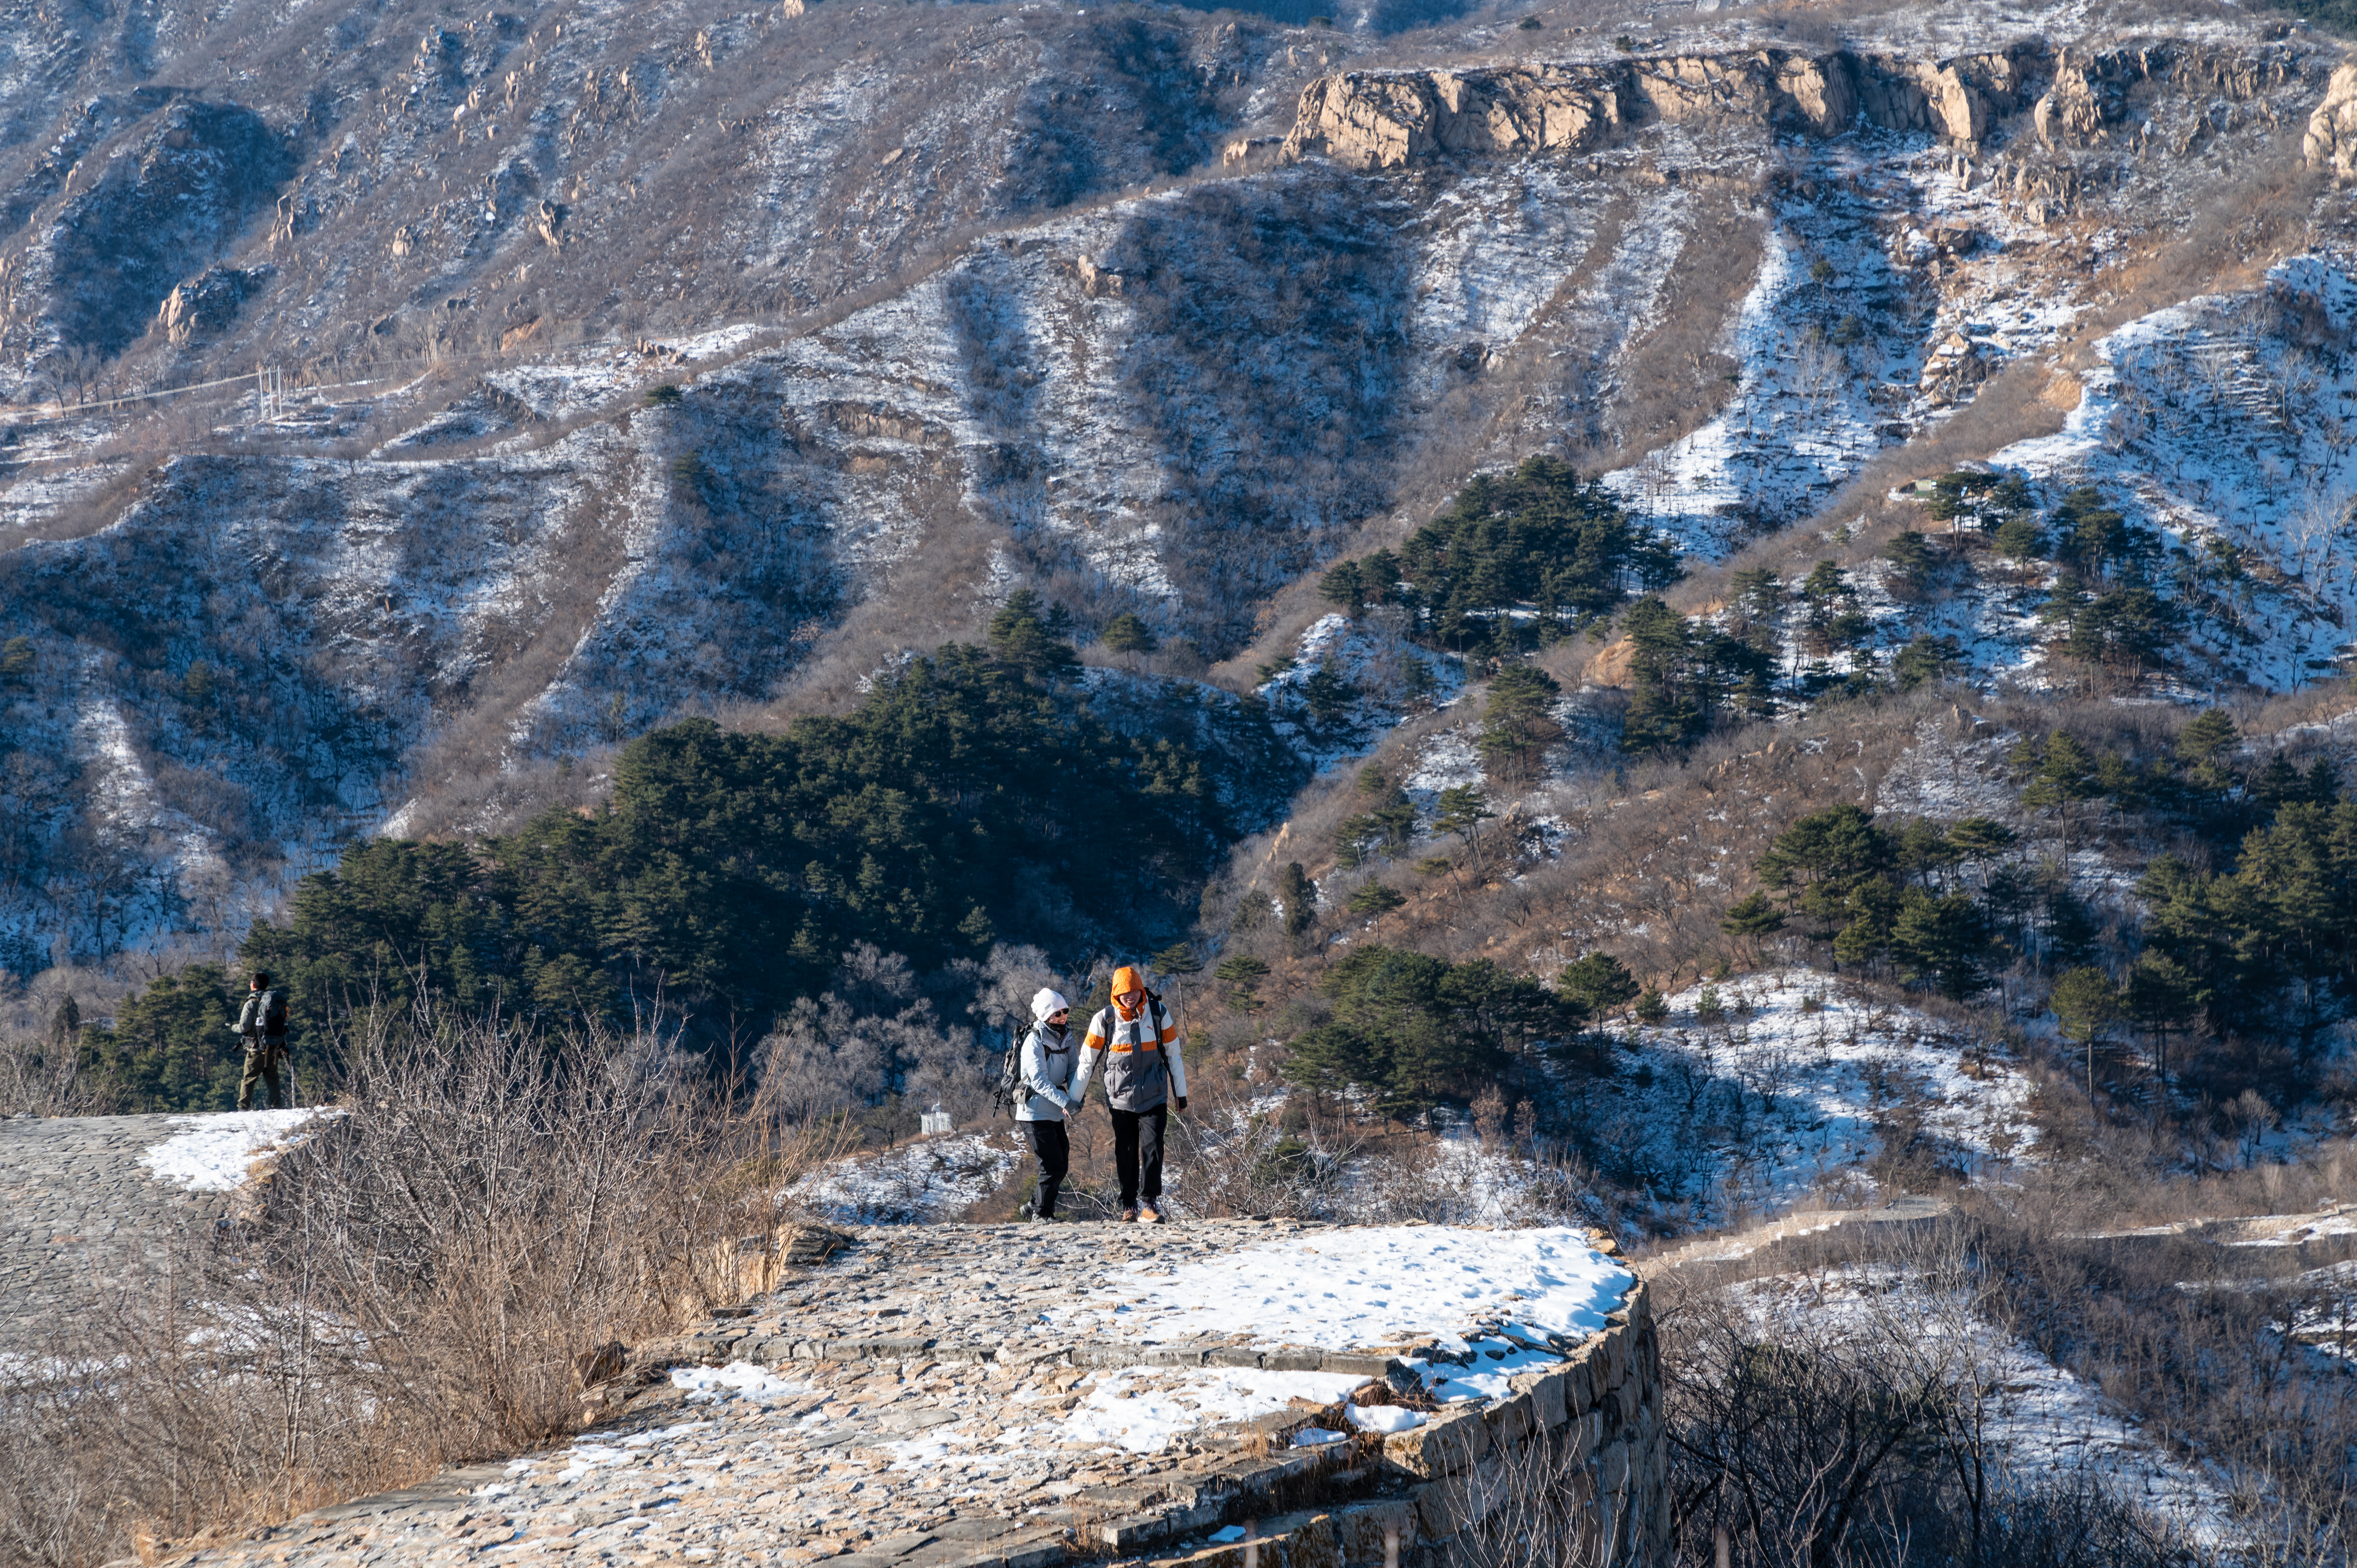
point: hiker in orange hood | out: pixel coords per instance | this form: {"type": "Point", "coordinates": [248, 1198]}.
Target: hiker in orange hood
{"type": "Point", "coordinates": [1139, 1046]}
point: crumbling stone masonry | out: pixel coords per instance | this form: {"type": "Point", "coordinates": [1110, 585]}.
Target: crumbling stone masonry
{"type": "Point", "coordinates": [896, 1400]}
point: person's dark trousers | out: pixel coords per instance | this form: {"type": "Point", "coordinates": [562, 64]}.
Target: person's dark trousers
{"type": "Point", "coordinates": [1137, 1141]}
{"type": "Point", "coordinates": [1054, 1147]}
{"type": "Point", "coordinates": [264, 1065]}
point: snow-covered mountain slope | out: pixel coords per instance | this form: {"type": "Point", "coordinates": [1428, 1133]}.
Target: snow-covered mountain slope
{"type": "Point", "coordinates": [934, 337]}
{"type": "Point", "coordinates": [1765, 1090]}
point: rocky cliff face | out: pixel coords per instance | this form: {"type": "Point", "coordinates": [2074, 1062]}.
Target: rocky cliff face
{"type": "Point", "coordinates": [1391, 120]}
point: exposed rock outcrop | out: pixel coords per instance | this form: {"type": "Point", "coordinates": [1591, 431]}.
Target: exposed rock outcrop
{"type": "Point", "coordinates": [1388, 120]}
{"type": "Point", "coordinates": [2089, 97]}
{"type": "Point", "coordinates": [171, 198]}
{"type": "Point", "coordinates": [2331, 139]}
{"type": "Point", "coordinates": [206, 305]}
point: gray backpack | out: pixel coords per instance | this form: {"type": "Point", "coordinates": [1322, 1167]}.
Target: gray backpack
{"type": "Point", "coordinates": [1007, 1091]}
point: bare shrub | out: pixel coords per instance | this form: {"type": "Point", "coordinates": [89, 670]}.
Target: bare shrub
{"type": "Point", "coordinates": [413, 1289]}
{"type": "Point", "coordinates": [41, 1077]}
{"type": "Point", "coordinates": [1861, 1426]}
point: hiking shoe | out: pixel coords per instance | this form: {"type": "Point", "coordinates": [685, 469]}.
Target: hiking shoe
{"type": "Point", "coordinates": [1047, 1220]}
{"type": "Point", "coordinates": [1149, 1215]}
{"type": "Point", "coordinates": [1129, 1217]}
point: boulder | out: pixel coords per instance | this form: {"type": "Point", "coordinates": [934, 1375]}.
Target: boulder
{"type": "Point", "coordinates": [205, 306]}
{"type": "Point", "coordinates": [2332, 140]}
{"type": "Point", "coordinates": [2073, 111]}
{"type": "Point", "coordinates": [1821, 94]}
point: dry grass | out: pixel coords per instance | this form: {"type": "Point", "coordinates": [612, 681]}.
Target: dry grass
{"type": "Point", "coordinates": [412, 1291]}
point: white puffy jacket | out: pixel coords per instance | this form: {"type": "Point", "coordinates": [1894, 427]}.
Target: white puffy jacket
{"type": "Point", "coordinates": [1047, 1074]}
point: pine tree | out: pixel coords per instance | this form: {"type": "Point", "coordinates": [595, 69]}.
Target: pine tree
{"type": "Point", "coordinates": [2085, 1002]}
{"type": "Point", "coordinates": [2162, 996]}
{"type": "Point", "coordinates": [1912, 556]}
{"type": "Point", "coordinates": [1596, 983]}
{"type": "Point", "coordinates": [2204, 746]}
{"type": "Point", "coordinates": [1665, 712]}
{"type": "Point", "coordinates": [1031, 638]}
{"type": "Point", "coordinates": [2020, 541]}
{"type": "Point", "coordinates": [1127, 634]}
{"type": "Point", "coordinates": [1345, 585]}
{"type": "Point", "coordinates": [1752, 917]}
{"type": "Point", "coordinates": [1179, 958]}
{"type": "Point", "coordinates": [1326, 694]}
{"type": "Point", "coordinates": [1946, 939]}
{"type": "Point", "coordinates": [2065, 775]}
{"type": "Point", "coordinates": [2278, 782]}
{"type": "Point", "coordinates": [1926, 659]}
{"type": "Point", "coordinates": [1299, 897]}
{"type": "Point", "coordinates": [1820, 860]}
{"type": "Point", "coordinates": [1517, 725]}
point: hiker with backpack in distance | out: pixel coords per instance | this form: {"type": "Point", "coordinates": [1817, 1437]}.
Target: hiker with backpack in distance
{"type": "Point", "coordinates": [262, 1022]}
{"type": "Point", "coordinates": [1047, 1070]}
{"type": "Point", "coordinates": [1143, 1075]}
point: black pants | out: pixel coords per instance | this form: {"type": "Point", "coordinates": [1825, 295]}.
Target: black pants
{"type": "Point", "coordinates": [1050, 1142]}
{"type": "Point", "coordinates": [1137, 1140]}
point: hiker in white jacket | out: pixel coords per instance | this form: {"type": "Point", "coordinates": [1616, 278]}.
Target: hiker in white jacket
{"type": "Point", "coordinates": [1046, 1082]}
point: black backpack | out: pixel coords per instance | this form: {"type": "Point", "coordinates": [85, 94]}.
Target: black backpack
{"type": "Point", "coordinates": [273, 1011]}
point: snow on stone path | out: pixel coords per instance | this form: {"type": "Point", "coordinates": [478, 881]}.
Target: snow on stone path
{"type": "Point", "coordinates": [1146, 1409]}
{"type": "Point", "coordinates": [1355, 1289]}
{"type": "Point", "coordinates": [218, 1152]}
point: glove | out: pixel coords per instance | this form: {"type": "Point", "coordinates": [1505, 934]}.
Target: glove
{"type": "Point", "coordinates": [1182, 1102]}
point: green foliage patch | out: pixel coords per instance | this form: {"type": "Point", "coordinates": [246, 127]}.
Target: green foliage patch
{"type": "Point", "coordinates": [1541, 539]}
{"type": "Point", "coordinates": [961, 799]}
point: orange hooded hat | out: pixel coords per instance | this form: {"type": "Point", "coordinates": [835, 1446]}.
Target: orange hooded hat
{"type": "Point", "coordinates": [1124, 981]}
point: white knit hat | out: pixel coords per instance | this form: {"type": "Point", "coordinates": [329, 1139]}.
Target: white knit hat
{"type": "Point", "coordinates": [1048, 1002]}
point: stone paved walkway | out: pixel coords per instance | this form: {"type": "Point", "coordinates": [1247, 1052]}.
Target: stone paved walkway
{"type": "Point", "coordinates": [958, 1395]}
{"type": "Point", "coordinates": [80, 1218]}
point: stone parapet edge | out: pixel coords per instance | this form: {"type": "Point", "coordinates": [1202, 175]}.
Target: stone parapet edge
{"type": "Point", "coordinates": [1318, 1508]}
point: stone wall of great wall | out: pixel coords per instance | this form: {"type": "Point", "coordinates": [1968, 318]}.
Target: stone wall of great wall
{"type": "Point", "coordinates": [895, 1404]}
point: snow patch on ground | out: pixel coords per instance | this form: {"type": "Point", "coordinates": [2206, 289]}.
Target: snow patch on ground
{"type": "Point", "coordinates": [1787, 1093]}
{"type": "Point", "coordinates": [219, 1152]}
{"type": "Point", "coordinates": [922, 1183]}
{"type": "Point", "coordinates": [2040, 1419]}
{"type": "Point", "coordinates": [1146, 1409]}
{"type": "Point", "coordinates": [1948, 780]}
{"type": "Point", "coordinates": [1383, 1285]}
{"type": "Point", "coordinates": [1372, 658]}
{"type": "Point", "coordinates": [737, 1380]}
{"type": "Point", "coordinates": [2215, 424]}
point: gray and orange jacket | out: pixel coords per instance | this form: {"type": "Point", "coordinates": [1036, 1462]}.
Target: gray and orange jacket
{"type": "Point", "coordinates": [1143, 1068]}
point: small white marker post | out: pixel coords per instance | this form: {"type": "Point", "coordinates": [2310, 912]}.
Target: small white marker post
{"type": "Point", "coordinates": [1252, 1543]}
